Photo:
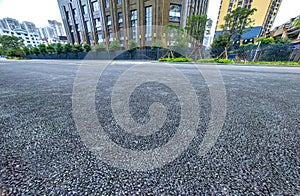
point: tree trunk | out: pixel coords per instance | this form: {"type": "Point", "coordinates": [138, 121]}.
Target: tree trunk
{"type": "Point", "coordinates": [226, 52]}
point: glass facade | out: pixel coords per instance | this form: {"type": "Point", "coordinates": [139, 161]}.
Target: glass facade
{"type": "Point", "coordinates": [126, 20]}
{"type": "Point", "coordinates": [148, 23]}
{"type": "Point", "coordinates": [134, 26]}
{"type": "Point", "coordinates": [100, 37]}
{"type": "Point", "coordinates": [108, 19]}
{"type": "Point", "coordinates": [98, 24]}
{"type": "Point", "coordinates": [88, 26]}
{"type": "Point", "coordinates": [120, 19]}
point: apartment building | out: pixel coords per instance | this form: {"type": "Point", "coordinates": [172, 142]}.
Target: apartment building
{"type": "Point", "coordinates": [287, 30]}
{"type": "Point", "coordinates": [57, 28]}
{"type": "Point", "coordinates": [102, 21]}
{"type": "Point", "coordinates": [264, 16]}
{"type": "Point", "coordinates": [26, 31]}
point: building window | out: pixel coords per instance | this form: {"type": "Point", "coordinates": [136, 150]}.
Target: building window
{"type": "Point", "coordinates": [98, 24]}
{"type": "Point", "coordinates": [84, 9]}
{"type": "Point", "coordinates": [100, 37]}
{"type": "Point", "coordinates": [75, 12]}
{"type": "Point", "coordinates": [71, 28]}
{"type": "Point", "coordinates": [148, 23]}
{"type": "Point", "coordinates": [119, 2]}
{"type": "Point", "coordinates": [108, 19]}
{"type": "Point", "coordinates": [69, 16]}
{"type": "Point", "coordinates": [90, 40]}
{"type": "Point", "coordinates": [88, 26]}
{"type": "Point", "coordinates": [111, 36]}
{"type": "Point", "coordinates": [107, 3]}
{"type": "Point", "coordinates": [96, 6]}
{"type": "Point", "coordinates": [121, 35]}
{"type": "Point", "coordinates": [79, 36]}
{"type": "Point", "coordinates": [78, 27]}
{"type": "Point", "coordinates": [175, 13]}
{"type": "Point", "coordinates": [134, 24]}
{"type": "Point", "coordinates": [120, 18]}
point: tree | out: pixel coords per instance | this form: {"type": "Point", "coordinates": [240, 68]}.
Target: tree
{"type": "Point", "coordinates": [182, 41]}
{"type": "Point", "coordinates": [42, 48]}
{"type": "Point", "coordinates": [67, 48]}
{"type": "Point", "coordinates": [195, 27]}
{"type": "Point", "coordinates": [58, 48]}
{"type": "Point", "coordinates": [282, 40]}
{"type": "Point", "coordinates": [219, 44]}
{"type": "Point", "coordinates": [265, 41]}
{"type": "Point", "coordinates": [297, 22]}
{"type": "Point", "coordinates": [50, 48]}
{"type": "Point", "coordinates": [114, 45]}
{"type": "Point", "coordinates": [158, 44]}
{"type": "Point", "coordinates": [1, 51]}
{"type": "Point", "coordinates": [99, 47]}
{"type": "Point", "coordinates": [86, 47]}
{"type": "Point", "coordinates": [10, 44]}
{"type": "Point", "coordinates": [235, 25]}
{"type": "Point", "coordinates": [26, 50]}
{"type": "Point", "coordinates": [77, 48]}
{"type": "Point", "coordinates": [132, 45]}
{"type": "Point", "coordinates": [34, 50]}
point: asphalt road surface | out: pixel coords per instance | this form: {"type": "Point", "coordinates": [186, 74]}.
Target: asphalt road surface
{"type": "Point", "coordinates": [41, 150]}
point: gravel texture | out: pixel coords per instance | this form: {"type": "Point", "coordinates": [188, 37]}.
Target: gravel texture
{"type": "Point", "coordinates": [41, 151]}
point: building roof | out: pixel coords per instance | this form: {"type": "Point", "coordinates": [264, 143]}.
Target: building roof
{"type": "Point", "coordinates": [249, 34]}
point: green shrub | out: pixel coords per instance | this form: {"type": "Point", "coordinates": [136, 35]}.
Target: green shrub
{"type": "Point", "coordinates": [17, 52]}
{"type": "Point", "coordinates": [67, 48]}
{"type": "Point", "coordinates": [58, 48]}
{"type": "Point", "coordinates": [50, 48]}
{"type": "Point", "coordinates": [157, 44]}
{"type": "Point", "coordinates": [100, 47]}
{"type": "Point", "coordinates": [227, 61]}
{"type": "Point", "coordinates": [132, 45]}
{"type": "Point", "coordinates": [42, 48]}
{"type": "Point", "coordinates": [164, 60]}
{"type": "Point", "coordinates": [181, 59]}
{"type": "Point", "coordinates": [77, 48]}
{"type": "Point", "coordinates": [115, 45]}
{"type": "Point", "coordinates": [86, 47]}
{"type": "Point", "coordinates": [206, 61]}
{"type": "Point", "coordinates": [26, 50]}
{"type": "Point", "coordinates": [275, 63]}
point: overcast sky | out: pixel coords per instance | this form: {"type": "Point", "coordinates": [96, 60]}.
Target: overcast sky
{"type": "Point", "coordinates": [40, 11]}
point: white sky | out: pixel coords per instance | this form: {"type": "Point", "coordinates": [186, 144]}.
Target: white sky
{"type": "Point", "coordinates": [40, 11]}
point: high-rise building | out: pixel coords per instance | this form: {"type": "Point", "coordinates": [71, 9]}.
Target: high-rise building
{"type": "Point", "coordinates": [264, 16]}
{"type": "Point", "coordinates": [101, 21]}
{"type": "Point", "coordinates": [12, 24]}
{"type": "Point", "coordinates": [27, 31]}
{"type": "Point", "coordinates": [30, 27]}
{"type": "Point", "coordinates": [3, 24]}
{"type": "Point", "coordinates": [208, 36]}
{"type": "Point", "coordinates": [58, 28]}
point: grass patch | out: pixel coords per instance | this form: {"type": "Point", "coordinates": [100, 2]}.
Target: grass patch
{"type": "Point", "coordinates": [17, 58]}
{"type": "Point", "coordinates": [287, 63]}
{"type": "Point", "coordinates": [225, 61]}
{"type": "Point", "coordinates": [176, 60]}
{"type": "Point", "coordinates": [206, 61]}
